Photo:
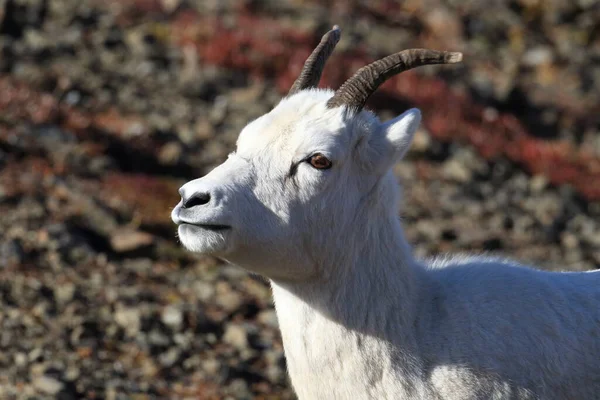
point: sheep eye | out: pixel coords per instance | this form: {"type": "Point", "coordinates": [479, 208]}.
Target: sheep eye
{"type": "Point", "coordinates": [319, 161]}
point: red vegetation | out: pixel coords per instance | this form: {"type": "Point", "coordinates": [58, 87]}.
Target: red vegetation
{"type": "Point", "coordinates": [19, 102]}
{"type": "Point", "coordinates": [149, 198]}
{"type": "Point", "coordinates": [452, 116]}
{"type": "Point", "coordinates": [264, 48]}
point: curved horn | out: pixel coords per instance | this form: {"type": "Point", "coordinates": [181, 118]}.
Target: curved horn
{"type": "Point", "coordinates": [357, 89]}
{"type": "Point", "coordinates": [313, 66]}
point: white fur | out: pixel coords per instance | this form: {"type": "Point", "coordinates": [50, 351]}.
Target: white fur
{"type": "Point", "coordinates": [359, 316]}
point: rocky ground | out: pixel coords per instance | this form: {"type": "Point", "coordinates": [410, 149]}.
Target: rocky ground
{"type": "Point", "coordinates": [108, 106]}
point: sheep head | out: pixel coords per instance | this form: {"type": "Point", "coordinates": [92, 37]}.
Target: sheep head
{"type": "Point", "coordinates": [306, 179]}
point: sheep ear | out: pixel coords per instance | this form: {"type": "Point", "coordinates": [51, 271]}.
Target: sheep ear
{"type": "Point", "coordinates": [399, 132]}
{"type": "Point", "coordinates": [390, 142]}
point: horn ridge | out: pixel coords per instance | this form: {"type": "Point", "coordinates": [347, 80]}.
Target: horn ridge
{"type": "Point", "coordinates": [355, 92]}
{"type": "Point", "coordinates": [314, 64]}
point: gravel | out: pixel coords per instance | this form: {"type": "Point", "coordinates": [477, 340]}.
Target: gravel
{"type": "Point", "coordinates": [105, 112]}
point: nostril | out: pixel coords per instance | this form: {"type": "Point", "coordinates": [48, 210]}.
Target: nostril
{"type": "Point", "coordinates": [197, 199]}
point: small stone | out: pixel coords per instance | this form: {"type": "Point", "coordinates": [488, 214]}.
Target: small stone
{"type": "Point", "coordinates": [11, 252]}
{"type": "Point", "coordinates": [247, 95]}
{"type": "Point", "coordinates": [236, 336]}
{"type": "Point", "coordinates": [274, 373]}
{"type": "Point", "coordinates": [134, 129]}
{"type": "Point", "coordinates": [227, 297]}
{"type": "Point", "coordinates": [111, 393]}
{"type": "Point", "coordinates": [192, 362]}
{"type": "Point", "coordinates": [233, 272]}
{"type": "Point", "coordinates": [238, 388]}
{"type": "Point", "coordinates": [595, 256]}
{"type": "Point", "coordinates": [537, 55]}
{"type": "Point", "coordinates": [429, 229]}
{"type": "Point", "coordinates": [204, 290]}
{"type": "Point", "coordinates": [128, 319]}
{"type": "Point", "coordinates": [72, 374]}
{"type": "Point", "coordinates": [269, 318]}
{"type": "Point", "coordinates": [456, 171]}
{"type": "Point", "coordinates": [35, 354]}
{"type": "Point", "coordinates": [170, 5]}
{"type": "Point", "coordinates": [149, 367]}
{"type": "Point", "coordinates": [64, 293]}
{"type": "Point", "coordinates": [47, 385]}
{"type": "Point", "coordinates": [35, 39]}
{"type": "Point", "coordinates": [441, 19]}
{"type": "Point", "coordinates": [172, 317]}
{"type": "Point", "coordinates": [569, 241]}
{"type": "Point", "coordinates": [156, 338]}
{"type": "Point", "coordinates": [421, 141]}
{"type": "Point", "coordinates": [170, 153]}
{"type": "Point", "coordinates": [218, 112]}
{"type": "Point", "coordinates": [204, 130]}
{"type": "Point", "coordinates": [538, 183]}
{"type": "Point", "coordinates": [273, 357]}
{"type": "Point", "coordinates": [127, 240]}
{"type": "Point", "coordinates": [170, 357]}
{"type": "Point", "coordinates": [20, 359]}
{"type": "Point", "coordinates": [211, 366]}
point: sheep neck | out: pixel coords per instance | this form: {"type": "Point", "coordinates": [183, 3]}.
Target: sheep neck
{"type": "Point", "coordinates": [340, 328]}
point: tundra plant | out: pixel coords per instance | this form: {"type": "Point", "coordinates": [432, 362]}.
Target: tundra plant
{"type": "Point", "coordinates": [309, 201]}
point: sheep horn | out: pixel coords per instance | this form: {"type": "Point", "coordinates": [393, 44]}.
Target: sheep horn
{"type": "Point", "coordinates": [357, 89]}
{"type": "Point", "coordinates": [313, 66]}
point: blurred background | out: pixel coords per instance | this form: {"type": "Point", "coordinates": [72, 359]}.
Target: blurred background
{"type": "Point", "coordinates": [108, 106]}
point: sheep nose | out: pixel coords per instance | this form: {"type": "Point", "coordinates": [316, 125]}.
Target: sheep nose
{"type": "Point", "coordinates": [197, 199]}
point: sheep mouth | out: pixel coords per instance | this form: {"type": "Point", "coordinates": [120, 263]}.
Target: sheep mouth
{"type": "Point", "coordinates": [211, 227]}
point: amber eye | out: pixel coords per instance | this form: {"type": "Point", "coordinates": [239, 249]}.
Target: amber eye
{"type": "Point", "coordinates": [319, 161]}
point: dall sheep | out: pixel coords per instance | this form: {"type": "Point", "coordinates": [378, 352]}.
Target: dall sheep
{"type": "Point", "coordinates": [308, 200]}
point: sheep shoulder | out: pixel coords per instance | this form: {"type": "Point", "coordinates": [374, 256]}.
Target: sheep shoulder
{"type": "Point", "coordinates": [512, 325]}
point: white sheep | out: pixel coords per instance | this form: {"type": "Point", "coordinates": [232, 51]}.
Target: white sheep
{"type": "Point", "coordinates": [309, 201]}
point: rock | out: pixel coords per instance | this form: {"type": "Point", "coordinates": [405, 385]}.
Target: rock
{"type": "Point", "coordinates": [124, 240]}
{"type": "Point", "coordinates": [211, 366]}
{"type": "Point", "coordinates": [170, 357]}
{"type": "Point", "coordinates": [430, 230]}
{"type": "Point", "coordinates": [157, 338]}
{"type": "Point", "coordinates": [238, 388]}
{"type": "Point", "coordinates": [456, 171]}
{"type": "Point", "coordinates": [218, 111]}
{"type": "Point", "coordinates": [47, 385]}
{"type": "Point", "coordinates": [421, 141]}
{"type": "Point", "coordinates": [204, 290]}
{"type": "Point", "coordinates": [170, 5]}
{"type": "Point", "coordinates": [233, 273]}
{"type": "Point", "coordinates": [248, 95]}
{"type": "Point", "coordinates": [35, 354]}
{"type": "Point", "coordinates": [439, 19]}
{"type": "Point", "coordinates": [64, 293]}
{"type": "Point", "coordinates": [235, 335]}
{"type": "Point", "coordinates": [11, 252]}
{"type": "Point", "coordinates": [569, 241]}
{"type": "Point", "coordinates": [20, 359]}
{"type": "Point", "coordinates": [269, 318]}
{"type": "Point", "coordinates": [274, 373]}
{"type": "Point", "coordinates": [170, 153]}
{"type": "Point", "coordinates": [227, 297]}
{"type": "Point", "coordinates": [538, 55]}
{"type": "Point", "coordinates": [172, 316]}
{"type": "Point", "coordinates": [538, 183]}
{"type": "Point", "coordinates": [72, 373]}
{"type": "Point", "coordinates": [203, 129]}
{"type": "Point", "coordinates": [128, 319]}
